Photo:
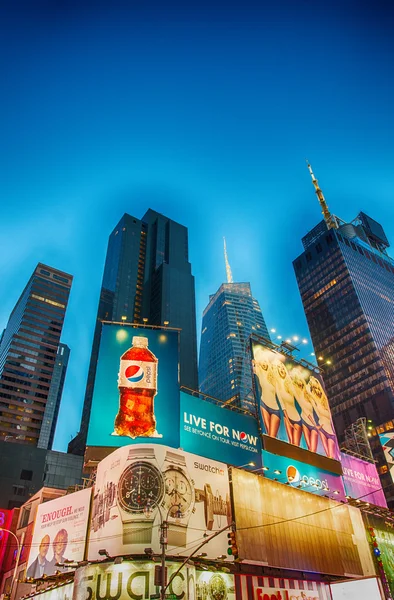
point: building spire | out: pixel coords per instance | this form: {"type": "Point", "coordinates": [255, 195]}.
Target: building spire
{"type": "Point", "coordinates": [328, 217]}
{"type": "Point", "coordinates": [228, 268]}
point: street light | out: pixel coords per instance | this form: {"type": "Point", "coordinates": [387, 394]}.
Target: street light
{"type": "Point", "coordinates": [18, 554]}
{"type": "Point", "coordinates": [163, 540]}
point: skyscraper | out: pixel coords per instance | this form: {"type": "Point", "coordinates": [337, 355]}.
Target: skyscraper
{"type": "Point", "coordinates": [231, 316]}
{"type": "Point", "coordinates": [346, 281]}
{"type": "Point", "coordinates": [47, 432]}
{"type": "Point", "coordinates": [28, 353]}
{"type": "Point", "coordinates": [147, 278]}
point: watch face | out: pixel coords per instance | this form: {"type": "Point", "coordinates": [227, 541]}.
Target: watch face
{"type": "Point", "coordinates": [140, 486]}
{"type": "Point", "coordinates": [179, 491]}
{"type": "Point", "coordinates": [217, 588]}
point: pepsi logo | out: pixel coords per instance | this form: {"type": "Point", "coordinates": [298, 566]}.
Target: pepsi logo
{"type": "Point", "coordinates": [243, 437]}
{"type": "Point", "coordinates": [134, 373]}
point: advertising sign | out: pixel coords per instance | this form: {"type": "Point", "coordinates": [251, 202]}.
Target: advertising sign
{"type": "Point", "coordinates": [139, 486]}
{"type": "Point", "coordinates": [59, 533]}
{"type": "Point", "coordinates": [387, 441]}
{"type": "Point", "coordinates": [215, 586]}
{"type": "Point", "coordinates": [5, 522]}
{"type": "Point", "coordinates": [361, 480]}
{"type": "Point", "coordinates": [136, 389]}
{"type": "Point", "coordinates": [215, 432]}
{"type": "Point", "coordinates": [293, 406]}
{"type": "Point", "coordinates": [356, 590]}
{"type": "Point", "coordinates": [133, 581]}
{"type": "Point", "coordinates": [252, 587]}
{"type": "Point", "coordinates": [303, 476]}
{"type": "Point", "coordinates": [63, 592]}
{"type": "Point", "coordinates": [279, 526]}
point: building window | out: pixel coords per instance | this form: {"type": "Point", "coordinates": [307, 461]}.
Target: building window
{"type": "Point", "coordinates": [26, 475]}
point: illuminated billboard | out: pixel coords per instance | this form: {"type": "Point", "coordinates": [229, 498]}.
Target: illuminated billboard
{"type": "Point", "coordinates": [303, 476]}
{"type": "Point", "coordinates": [5, 523]}
{"type": "Point", "coordinates": [253, 587]}
{"type": "Point", "coordinates": [361, 480]}
{"type": "Point", "coordinates": [60, 592]}
{"type": "Point", "coordinates": [387, 441]}
{"type": "Point", "coordinates": [138, 486]}
{"type": "Point", "coordinates": [59, 534]}
{"type": "Point", "coordinates": [133, 580]}
{"type": "Point", "coordinates": [214, 586]}
{"type": "Point", "coordinates": [292, 403]}
{"type": "Point", "coordinates": [215, 432]}
{"type": "Point", "coordinates": [283, 527]}
{"type": "Point", "coordinates": [136, 389]}
{"type": "Point", "coordinates": [355, 590]}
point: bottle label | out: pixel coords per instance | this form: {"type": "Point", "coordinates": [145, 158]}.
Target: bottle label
{"type": "Point", "coordinates": [138, 374]}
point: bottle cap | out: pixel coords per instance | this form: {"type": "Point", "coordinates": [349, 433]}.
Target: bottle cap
{"type": "Point", "coordinates": [140, 342]}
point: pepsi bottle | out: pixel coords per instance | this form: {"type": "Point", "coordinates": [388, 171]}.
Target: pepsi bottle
{"type": "Point", "coordinates": [137, 385]}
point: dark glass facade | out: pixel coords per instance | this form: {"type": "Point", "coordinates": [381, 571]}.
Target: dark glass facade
{"type": "Point", "coordinates": [28, 353]}
{"type": "Point", "coordinates": [52, 407]}
{"type": "Point", "coordinates": [346, 281]}
{"type": "Point", "coordinates": [147, 276]}
{"type": "Point", "coordinates": [231, 316]}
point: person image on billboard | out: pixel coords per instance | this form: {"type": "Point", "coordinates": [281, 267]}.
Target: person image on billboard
{"type": "Point", "coordinates": [322, 410]}
{"type": "Point", "coordinates": [40, 565]}
{"type": "Point", "coordinates": [305, 401]}
{"type": "Point", "coordinates": [59, 546]}
{"type": "Point", "coordinates": [285, 395]}
{"type": "Point", "coordinates": [269, 407]}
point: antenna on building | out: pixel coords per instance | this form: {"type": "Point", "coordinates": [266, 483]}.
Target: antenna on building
{"type": "Point", "coordinates": [328, 217]}
{"type": "Point", "coordinates": [228, 268]}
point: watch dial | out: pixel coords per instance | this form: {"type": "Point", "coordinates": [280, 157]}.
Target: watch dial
{"type": "Point", "coordinates": [217, 588]}
{"type": "Point", "coordinates": [140, 486]}
{"type": "Point", "coordinates": [179, 491]}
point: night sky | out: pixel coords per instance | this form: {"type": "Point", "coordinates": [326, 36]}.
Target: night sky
{"type": "Point", "coordinates": [203, 112]}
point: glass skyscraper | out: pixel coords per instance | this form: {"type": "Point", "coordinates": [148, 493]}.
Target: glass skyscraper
{"type": "Point", "coordinates": [28, 355]}
{"type": "Point", "coordinates": [346, 281]}
{"type": "Point", "coordinates": [147, 278]}
{"type": "Point", "coordinates": [230, 318]}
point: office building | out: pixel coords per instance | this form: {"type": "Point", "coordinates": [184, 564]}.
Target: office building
{"type": "Point", "coordinates": [346, 281]}
{"type": "Point", "coordinates": [51, 413]}
{"type": "Point", "coordinates": [28, 354]}
{"type": "Point", "coordinates": [231, 317]}
{"type": "Point", "coordinates": [147, 279]}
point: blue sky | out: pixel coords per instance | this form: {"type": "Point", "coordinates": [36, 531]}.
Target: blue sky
{"type": "Point", "coordinates": [203, 112]}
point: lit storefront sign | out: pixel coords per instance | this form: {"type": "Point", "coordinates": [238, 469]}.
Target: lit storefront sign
{"type": "Point", "coordinates": [249, 587]}
{"type": "Point", "coordinates": [361, 480]}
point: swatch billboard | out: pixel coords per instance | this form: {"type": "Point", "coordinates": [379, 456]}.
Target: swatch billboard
{"type": "Point", "coordinates": [387, 441]}
{"type": "Point", "coordinates": [59, 534]}
{"type": "Point", "coordinates": [215, 432]}
{"type": "Point", "coordinates": [140, 485]}
{"type": "Point", "coordinates": [136, 389]}
{"type": "Point", "coordinates": [361, 480]}
{"type": "Point", "coordinates": [292, 403]}
{"type": "Point", "coordinates": [302, 476]}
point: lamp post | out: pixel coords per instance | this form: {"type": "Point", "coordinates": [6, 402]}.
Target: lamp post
{"type": "Point", "coordinates": [18, 554]}
{"type": "Point", "coordinates": [163, 540]}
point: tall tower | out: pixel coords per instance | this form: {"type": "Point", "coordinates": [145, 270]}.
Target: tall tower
{"type": "Point", "coordinates": [346, 281]}
{"type": "Point", "coordinates": [147, 278]}
{"type": "Point", "coordinates": [28, 354]}
{"type": "Point", "coordinates": [231, 316]}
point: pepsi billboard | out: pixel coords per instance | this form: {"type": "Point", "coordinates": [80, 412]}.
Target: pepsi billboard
{"type": "Point", "coordinates": [218, 433]}
{"type": "Point", "coordinates": [292, 403]}
{"type": "Point", "coordinates": [136, 388]}
{"type": "Point", "coordinates": [302, 476]}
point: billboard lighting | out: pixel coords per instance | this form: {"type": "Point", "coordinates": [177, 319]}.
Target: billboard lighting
{"type": "Point", "coordinates": [221, 557]}
{"type": "Point", "coordinates": [166, 323]}
{"type": "Point", "coordinates": [336, 492]}
{"type": "Point", "coordinates": [124, 318]}
{"type": "Point", "coordinates": [202, 555]}
{"type": "Point", "coordinates": [277, 472]}
{"type": "Point", "coordinates": [295, 338]}
{"type": "Point", "coordinates": [145, 320]}
{"type": "Point", "coordinates": [273, 330]}
{"type": "Point", "coordinates": [118, 560]}
{"type": "Point", "coordinates": [103, 552]}
{"type": "Point", "coordinates": [265, 468]}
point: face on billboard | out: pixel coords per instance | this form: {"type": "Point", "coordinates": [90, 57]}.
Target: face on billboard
{"type": "Point", "coordinates": [136, 390]}
{"type": "Point", "coordinates": [215, 432]}
{"type": "Point", "coordinates": [133, 580]}
{"type": "Point", "coordinates": [59, 533]}
{"type": "Point", "coordinates": [138, 486]}
{"type": "Point", "coordinates": [293, 406]}
{"type": "Point", "coordinates": [361, 480]}
{"type": "Point", "coordinates": [303, 476]}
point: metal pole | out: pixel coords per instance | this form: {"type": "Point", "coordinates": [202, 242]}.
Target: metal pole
{"type": "Point", "coordinates": [163, 542]}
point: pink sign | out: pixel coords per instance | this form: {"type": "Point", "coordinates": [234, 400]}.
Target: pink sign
{"type": "Point", "coordinates": [361, 480]}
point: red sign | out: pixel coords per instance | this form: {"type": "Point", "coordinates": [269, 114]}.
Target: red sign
{"type": "Point", "coordinates": [5, 522]}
